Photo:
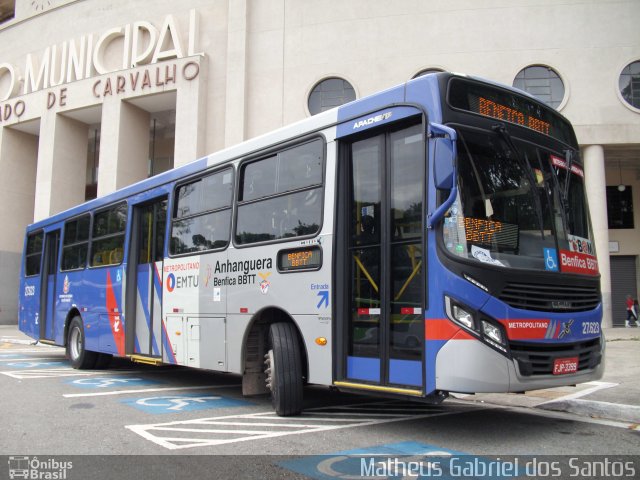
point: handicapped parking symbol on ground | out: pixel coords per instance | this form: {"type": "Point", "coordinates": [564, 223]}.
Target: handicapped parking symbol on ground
{"type": "Point", "coordinates": [108, 382]}
{"type": "Point", "coordinates": [182, 403]}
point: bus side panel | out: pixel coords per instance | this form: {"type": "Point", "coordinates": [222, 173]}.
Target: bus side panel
{"type": "Point", "coordinates": [29, 309]}
{"type": "Point", "coordinates": [97, 295]}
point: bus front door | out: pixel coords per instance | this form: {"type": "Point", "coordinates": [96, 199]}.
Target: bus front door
{"type": "Point", "coordinates": [144, 334]}
{"type": "Point", "coordinates": [48, 282]}
{"type": "Point", "coordinates": [383, 275]}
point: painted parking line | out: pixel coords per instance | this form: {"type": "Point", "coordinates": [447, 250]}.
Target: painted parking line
{"type": "Point", "coordinates": [149, 390]}
{"type": "Point", "coordinates": [61, 372]}
{"type": "Point", "coordinates": [35, 364]}
{"type": "Point", "coordinates": [222, 430]}
{"type": "Point", "coordinates": [47, 373]}
{"type": "Point", "coordinates": [183, 402]}
{"type": "Point", "coordinates": [26, 359]}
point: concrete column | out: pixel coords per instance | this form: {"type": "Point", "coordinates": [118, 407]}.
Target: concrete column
{"type": "Point", "coordinates": [235, 126]}
{"type": "Point", "coordinates": [19, 156]}
{"type": "Point", "coordinates": [124, 146]}
{"type": "Point", "coordinates": [62, 165]}
{"type": "Point", "coordinates": [595, 183]}
{"type": "Point", "coordinates": [191, 113]}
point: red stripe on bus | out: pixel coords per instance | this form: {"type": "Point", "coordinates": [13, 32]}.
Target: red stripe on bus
{"type": "Point", "coordinates": [443, 329]}
{"type": "Point", "coordinates": [117, 327]}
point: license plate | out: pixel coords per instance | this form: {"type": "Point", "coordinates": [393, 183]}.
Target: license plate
{"type": "Point", "coordinates": [562, 366]}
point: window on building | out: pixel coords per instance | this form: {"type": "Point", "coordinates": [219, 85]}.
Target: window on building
{"type": "Point", "coordinates": [329, 93]}
{"type": "Point", "coordinates": [93, 162]}
{"type": "Point", "coordinates": [107, 240]}
{"type": "Point", "coordinates": [33, 254]}
{"type": "Point", "coordinates": [162, 141]}
{"type": "Point", "coordinates": [281, 196]}
{"type": "Point", "coordinates": [202, 214]}
{"type": "Point", "coordinates": [542, 82]}
{"type": "Point", "coordinates": [427, 71]}
{"type": "Point", "coordinates": [629, 83]}
{"type": "Point", "coordinates": [620, 207]}
{"type": "Point", "coordinates": [7, 10]}
{"type": "Point", "coordinates": [75, 245]}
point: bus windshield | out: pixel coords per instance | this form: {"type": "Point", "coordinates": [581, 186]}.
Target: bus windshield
{"type": "Point", "coordinates": [518, 206]}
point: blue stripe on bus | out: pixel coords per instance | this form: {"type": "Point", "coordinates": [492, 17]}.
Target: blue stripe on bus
{"type": "Point", "coordinates": [360, 368]}
{"type": "Point", "coordinates": [405, 372]}
{"type": "Point", "coordinates": [169, 356]}
{"type": "Point", "coordinates": [157, 282]}
{"type": "Point", "coordinates": [143, 290]}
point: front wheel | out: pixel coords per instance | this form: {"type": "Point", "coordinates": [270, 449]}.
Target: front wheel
{"type": "Point", "coordinates": [76, 353]}
{"type": "Point", "coordinates": [284, 369]}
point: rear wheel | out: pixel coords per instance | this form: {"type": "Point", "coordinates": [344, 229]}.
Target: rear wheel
{"type": "Point", "coordinates": [76, 352]}
{"type": "Point", "coordinates": [284, 369]}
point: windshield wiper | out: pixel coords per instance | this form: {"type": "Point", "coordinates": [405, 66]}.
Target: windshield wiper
{"type": "Point", "coordinates": [504, 134]}
{"type": "Point", "coordinates": [568, 158]}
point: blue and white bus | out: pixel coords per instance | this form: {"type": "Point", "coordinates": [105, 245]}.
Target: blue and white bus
{"type": "Point", "coordinates": [431, 238]}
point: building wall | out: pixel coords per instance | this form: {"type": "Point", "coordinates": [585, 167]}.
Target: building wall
{"type": "Point", "coordinates": [247, 67]}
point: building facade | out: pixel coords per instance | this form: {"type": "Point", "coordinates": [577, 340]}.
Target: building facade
{"type": "Point", "coordinates": [98, 94]}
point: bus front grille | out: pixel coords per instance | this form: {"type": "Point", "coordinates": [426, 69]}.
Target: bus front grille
{"type": "Point", "coordinates": [537, 359]}
{"type": "Point", "coordinates": [550, 298]}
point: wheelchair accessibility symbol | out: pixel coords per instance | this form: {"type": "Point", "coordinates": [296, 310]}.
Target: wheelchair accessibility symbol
{"type": "Point", "coordinates": [182, 403]}
{"type": "Point", "coordinates": [550, 259]}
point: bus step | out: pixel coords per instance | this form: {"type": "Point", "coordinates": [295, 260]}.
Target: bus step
{"type": "Point", "coordinates": [155, 361]}
{"type": "Point", "coordinates": [47, 342]}
{"type": "Point", "coordinates": [378, 388]}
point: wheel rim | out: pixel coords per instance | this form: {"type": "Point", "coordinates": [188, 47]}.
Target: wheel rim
{"type": "Point", "coordinates": [270, 374]}
{"type": "Point", "coordinates": [75, 343]}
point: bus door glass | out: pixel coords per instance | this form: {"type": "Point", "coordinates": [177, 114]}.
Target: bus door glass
{"type": "Point", "coordinates": [385, 326]}
{"type": "Point", "coordinates": [48, 282]}
{"type": "Point", "coordinates": [149, 226]}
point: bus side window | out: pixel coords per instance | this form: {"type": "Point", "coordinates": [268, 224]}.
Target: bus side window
{"type": "Point", "coordinates": [281, 195]}
{"type": "Point", "coordinates": [33, 254]}
{"type": "Point", "coordinates": [107, 242]}
{"type": "Point", "coordinates": [75, 245]}
{"type": "Point", "coordinates": [202, 215]}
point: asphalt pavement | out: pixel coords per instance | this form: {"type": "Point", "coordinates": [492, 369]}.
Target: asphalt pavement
{"type": "Point", "coordinates": [615, 397]}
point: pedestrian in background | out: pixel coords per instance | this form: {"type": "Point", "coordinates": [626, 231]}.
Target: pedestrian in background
{"type": "Point", "coordinates": [632, 311]}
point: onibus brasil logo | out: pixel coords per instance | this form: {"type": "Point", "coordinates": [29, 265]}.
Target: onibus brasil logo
{"type": "Point", "coordinates": [35, 468]}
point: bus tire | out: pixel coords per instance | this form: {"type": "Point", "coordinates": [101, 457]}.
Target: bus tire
{"type": "Point", "coordinates": [284, 369]}
{"type": "Point", "coordinates": [79, 357]}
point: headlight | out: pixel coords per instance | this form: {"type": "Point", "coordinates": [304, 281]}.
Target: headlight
{"type": "Point", "coordinates": [479, 325]}
{"type": "Point", "coordinates": [462, 316]}
{"type": "Point", "coordinates": [492, 334]}
{"type": "Point", "coordinates": [491, 331]}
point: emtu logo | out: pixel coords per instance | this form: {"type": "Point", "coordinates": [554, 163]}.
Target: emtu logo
{"type": "Point", "coordinates": [171, 282]}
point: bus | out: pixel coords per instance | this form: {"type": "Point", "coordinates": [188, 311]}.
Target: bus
{"type": "Point", "coordinates": [431, 238]}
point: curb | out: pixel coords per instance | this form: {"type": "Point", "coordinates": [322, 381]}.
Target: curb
{"type": "Point", "coordinates": [18, 341]}
{"type": "Point", "coordinates": [592, 408]}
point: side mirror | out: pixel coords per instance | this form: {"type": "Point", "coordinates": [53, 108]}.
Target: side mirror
{"type": "Point", "coordinates": [444, 168]}
{"type": "Point", "coordinates": [445, 153]}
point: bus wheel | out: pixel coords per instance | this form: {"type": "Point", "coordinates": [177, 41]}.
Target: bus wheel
{"type": "Point", "coordinates": [76, 353]}
{"type": "Point", "coordinates": [284, 370]}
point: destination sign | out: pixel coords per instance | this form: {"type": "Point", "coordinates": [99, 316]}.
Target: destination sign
{"type": "Point", "coordinates": [511, 107]}
{"type": "Point", "coordinates": [299, 259]}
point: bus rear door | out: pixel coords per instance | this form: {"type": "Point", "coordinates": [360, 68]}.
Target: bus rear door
{"type": "Point", "coordinates": [48, 285]}
{"type": "Point", "coordinates": [144, 289]}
